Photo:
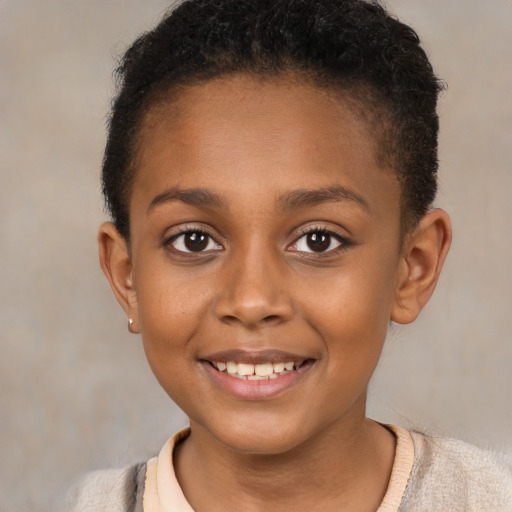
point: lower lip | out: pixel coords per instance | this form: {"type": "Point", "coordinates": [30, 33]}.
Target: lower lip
{"type": "Point", "coordinates": [256, 389]}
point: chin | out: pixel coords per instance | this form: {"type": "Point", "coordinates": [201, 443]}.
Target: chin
{"type": "Point", "coordinates": [264, 437]}
{"type": "Point", "coordinates": [259, 445]}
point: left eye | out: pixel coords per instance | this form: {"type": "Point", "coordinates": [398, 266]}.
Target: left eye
{"type": "Point", "coordinates": [316, 241]}
{"type": "Point", "coordinates": [194, 241]}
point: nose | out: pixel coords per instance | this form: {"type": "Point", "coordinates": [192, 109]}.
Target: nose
{"type": "Point", "coordinates": [254, 292]}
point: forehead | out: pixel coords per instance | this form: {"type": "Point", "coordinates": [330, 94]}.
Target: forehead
{"type": "Point", "coordinates": [223, 133]}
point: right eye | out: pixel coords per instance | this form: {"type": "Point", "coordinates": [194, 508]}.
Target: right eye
{"type": "Point", "coordinates": [194, 241]}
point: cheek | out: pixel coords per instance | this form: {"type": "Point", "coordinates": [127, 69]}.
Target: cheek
{"type": "Point", "coordinates": [351, 310]}
{"type": "Point", "coordinates": [171, 309]}
{"type": "Point", "coordinates": [170, 298]}
{"type": "Point", "coordinates": [169, 318]}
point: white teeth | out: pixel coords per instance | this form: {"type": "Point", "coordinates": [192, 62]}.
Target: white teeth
{"type": "Point", "coordinates": [232, 367]}
{"type": "Point", "coordinates": [245, 369]}
{"type": "Point", "coordinates": [278, 367]}
{"type": "Point", "coordinates": [263, 370]}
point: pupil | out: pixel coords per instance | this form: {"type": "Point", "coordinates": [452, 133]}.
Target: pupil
{"type": "Point", "coordinates": [196, 241]}
{"type": "Point", "coordinates": [318, 242]}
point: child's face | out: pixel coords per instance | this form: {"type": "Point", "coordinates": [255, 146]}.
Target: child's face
{"type": "Point", "coordinates": [263, 231]}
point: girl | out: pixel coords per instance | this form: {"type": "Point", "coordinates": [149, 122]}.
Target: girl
{"type": "Point", "coordinates": [270, 170]}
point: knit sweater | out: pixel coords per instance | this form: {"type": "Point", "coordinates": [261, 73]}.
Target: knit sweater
{"type": "Point", "coordinates": [429, 474]}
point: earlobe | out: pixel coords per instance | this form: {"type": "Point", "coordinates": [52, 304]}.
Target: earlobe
{"type": "Point", "coordinates": [422, 260]}
{"type": "Point", "coordinates": [116, 264]}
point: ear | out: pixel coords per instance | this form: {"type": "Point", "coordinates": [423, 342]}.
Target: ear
{"type": "Point", "coordinates": [421, 262]}
{"type": "Point", "coordinates": [116, 264]}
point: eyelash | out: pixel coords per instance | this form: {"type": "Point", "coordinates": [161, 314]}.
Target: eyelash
{"type": "Point", "coordinates": [343, 242]}
{"type": "Point", "coordinates": [189, 230]}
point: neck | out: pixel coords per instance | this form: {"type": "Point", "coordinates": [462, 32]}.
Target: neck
{"type": "Point", "coordinates": [345, 467]}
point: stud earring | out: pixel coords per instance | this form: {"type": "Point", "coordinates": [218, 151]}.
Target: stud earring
{"type": "Point", "coordinates": [130, 326]}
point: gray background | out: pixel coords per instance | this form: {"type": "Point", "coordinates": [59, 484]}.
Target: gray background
{"type": "Point", "coordinates": [76, 392]}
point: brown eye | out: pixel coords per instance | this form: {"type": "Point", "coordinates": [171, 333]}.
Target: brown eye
{"type": "Point", "coordinates": [194, 241]}
{"type": "Point", "coordinates": [318, 242]}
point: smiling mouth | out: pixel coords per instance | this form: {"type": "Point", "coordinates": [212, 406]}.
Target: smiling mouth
{"type": "Point", "coordinates": [258, 371]}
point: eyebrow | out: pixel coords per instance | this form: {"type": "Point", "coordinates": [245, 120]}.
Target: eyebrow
{"type": "Point", "coordinates": [304, 198]}
{"type": "Point", "coordinates": [293, 200]}
{"type": "Point", "coordinates": [199, 197]}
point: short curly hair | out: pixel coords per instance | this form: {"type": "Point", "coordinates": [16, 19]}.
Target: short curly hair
{"type": "Point", "coordinates": [352, 45]}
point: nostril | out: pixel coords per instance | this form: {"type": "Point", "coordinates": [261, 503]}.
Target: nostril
{"type": "Point", "coordinates": [245, 306]}
{"type": "Point", "coordinates": [271, 318]}
{"type": "Point", "coordinates": [265, 320]}
{"type": "Point", "coordinates": [229, 319]}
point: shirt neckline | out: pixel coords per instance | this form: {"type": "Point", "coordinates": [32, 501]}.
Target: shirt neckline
{"type": "Point", "coordinates": [163, 493]}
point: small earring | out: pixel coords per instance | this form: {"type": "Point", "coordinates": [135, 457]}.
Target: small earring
{"type": "Point", "coordinates": [130, 325]}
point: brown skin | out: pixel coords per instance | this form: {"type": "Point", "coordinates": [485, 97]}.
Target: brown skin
{"type": "Point", "coordinates": [258, 286]}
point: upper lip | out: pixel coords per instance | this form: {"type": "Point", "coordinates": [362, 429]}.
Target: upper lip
{"type": "Point", "coordinates": [255, 356]}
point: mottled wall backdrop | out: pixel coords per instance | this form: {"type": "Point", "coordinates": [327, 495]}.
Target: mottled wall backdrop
{"type": "Point", "coordinates": [76, 392]}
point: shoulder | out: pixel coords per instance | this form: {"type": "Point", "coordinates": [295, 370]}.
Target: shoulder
{"type": "Point", "coordinates": [112, 490]}
{"type": "Point", "coordinates": [449, 474]}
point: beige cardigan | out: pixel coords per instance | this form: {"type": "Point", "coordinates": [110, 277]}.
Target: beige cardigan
{"type": "Point", "coordinates": [429, 474]}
